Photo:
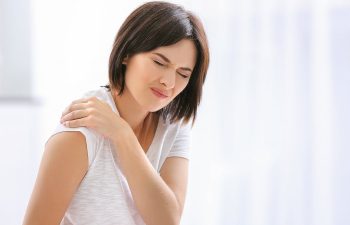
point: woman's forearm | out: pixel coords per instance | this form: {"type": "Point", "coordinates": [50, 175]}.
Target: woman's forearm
{"type": "Point", "coordinates": [155, 201]}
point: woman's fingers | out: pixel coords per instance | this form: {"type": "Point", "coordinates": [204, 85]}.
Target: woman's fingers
{"type": "Point", "coordinates": [74, 106]}
{"type": "Point", "coordinates": [80, 112]}
{"type": "Point", "coordinates": [80, 104]}
{"type": "Point", "coordinates": [82, 122]}
{"type": "Point", "coordinates": [75, 114]}
{"type": "Point", "coordinates": [80, 100]}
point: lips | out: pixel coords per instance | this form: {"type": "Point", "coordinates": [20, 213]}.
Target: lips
{"type": "Point", "coordinates": [160, 92]}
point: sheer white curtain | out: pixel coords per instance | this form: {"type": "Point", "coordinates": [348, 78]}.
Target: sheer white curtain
{"type": "Point", "coordinates": [271, 144]}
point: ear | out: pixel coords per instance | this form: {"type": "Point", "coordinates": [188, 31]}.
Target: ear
{"type": "Point", "coordinates": [125, 60]}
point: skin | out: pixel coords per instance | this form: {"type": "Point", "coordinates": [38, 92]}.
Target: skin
{"type": "Point", "coordinates": [143, 72]}
{"type": "Point", "coordinates": [159, 198]}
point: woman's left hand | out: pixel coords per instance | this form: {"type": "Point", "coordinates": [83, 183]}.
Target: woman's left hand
{"type": "Point", "coordinates": [93, 113]}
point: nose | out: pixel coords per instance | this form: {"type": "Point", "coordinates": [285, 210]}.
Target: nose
{"type": "Point", "coordinates": [168, 79]}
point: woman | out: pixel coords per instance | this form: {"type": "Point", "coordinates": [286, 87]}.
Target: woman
{"type": "Point", "coordinates": [120, 153]}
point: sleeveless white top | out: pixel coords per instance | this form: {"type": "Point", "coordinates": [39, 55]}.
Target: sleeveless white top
{"type": "Point", "coordinates": [104, 197]}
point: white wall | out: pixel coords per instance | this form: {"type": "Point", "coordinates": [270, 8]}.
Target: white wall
{"type": "Point", "coordinates": [15, 49]}
{"type": "Point", "coordinates": [21, 123]}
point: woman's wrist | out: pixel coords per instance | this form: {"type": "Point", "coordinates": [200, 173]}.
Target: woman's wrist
{"type": "Point", "coordinates": [122, 136]}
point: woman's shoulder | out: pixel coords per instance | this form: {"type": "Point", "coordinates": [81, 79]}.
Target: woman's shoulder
{"type": "Point", "coordinates": [177, 127]}
{"type": "Point", "coordinates": [63, 166]}
{"type": "Point", "coordinates": [66, 140]}
{"type": "Point", "coordinates": [101, 93]}
{"type": "Point", "coordinates": [91, 139]}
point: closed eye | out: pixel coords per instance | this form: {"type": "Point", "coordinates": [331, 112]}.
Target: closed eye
{"type": "Point", "coordinates": [184, 76]}
{"type": "Point", "coordinates": [158, 63]}
{"type": "Point", "coordinates": [161, 64]}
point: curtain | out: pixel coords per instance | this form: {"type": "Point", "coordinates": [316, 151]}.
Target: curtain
{"type": "Point", "coordinates": [271, 144]}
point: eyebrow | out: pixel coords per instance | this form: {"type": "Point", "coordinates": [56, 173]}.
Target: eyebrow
{"type": "Point", "coordinates": [168, 61]}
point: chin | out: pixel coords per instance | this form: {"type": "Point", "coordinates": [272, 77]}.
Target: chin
{"type": "Point", "coordinates": [156, 108]}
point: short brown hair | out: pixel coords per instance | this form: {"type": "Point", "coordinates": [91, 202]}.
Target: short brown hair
{"type": "Point", "coordinates": [156, 24]}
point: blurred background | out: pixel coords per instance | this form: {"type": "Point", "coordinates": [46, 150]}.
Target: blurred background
{"type": "Point", "coordinates": [271, 143]}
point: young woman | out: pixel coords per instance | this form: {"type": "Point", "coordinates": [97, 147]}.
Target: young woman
{"type": "Point", "coordinates": [120, 154]}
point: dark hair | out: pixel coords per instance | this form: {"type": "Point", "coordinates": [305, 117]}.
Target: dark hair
{"type": "Point", "coordinates": [156, 24]}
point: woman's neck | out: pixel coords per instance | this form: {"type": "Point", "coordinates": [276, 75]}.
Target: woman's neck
{"type": "Point", "coordinates": [139, 120]}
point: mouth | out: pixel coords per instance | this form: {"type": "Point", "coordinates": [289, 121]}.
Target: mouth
{"type": "Point", "coordinates": [158, 94]}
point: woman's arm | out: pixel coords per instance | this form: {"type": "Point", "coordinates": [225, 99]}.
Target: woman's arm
{"type": "Point", "coordinates": [63, 166]}
{"type": "Point", "coordinates": [159, 198]}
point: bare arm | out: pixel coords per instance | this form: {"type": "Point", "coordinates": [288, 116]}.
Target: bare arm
{"type": "Point", "coordinates": [64, 164]}
{"type": "Point", "coordinates": [159, 198]}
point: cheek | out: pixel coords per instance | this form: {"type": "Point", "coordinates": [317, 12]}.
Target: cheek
{"type": "Point", "coordinates": [180, 86]}
{"type": "Point", "coordinates": [182, 82]}
{"type": "Point", "coordinates": [147, 73]}
{"type": "Point", "coordinates": [137, 74]}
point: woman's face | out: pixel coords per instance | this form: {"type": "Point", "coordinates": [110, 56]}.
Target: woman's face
{"type": "Point", "coordinates": [165, 69]}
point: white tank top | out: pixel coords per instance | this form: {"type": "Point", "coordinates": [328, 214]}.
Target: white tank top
{"type": "Point", "coordinates": [103, 196]}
